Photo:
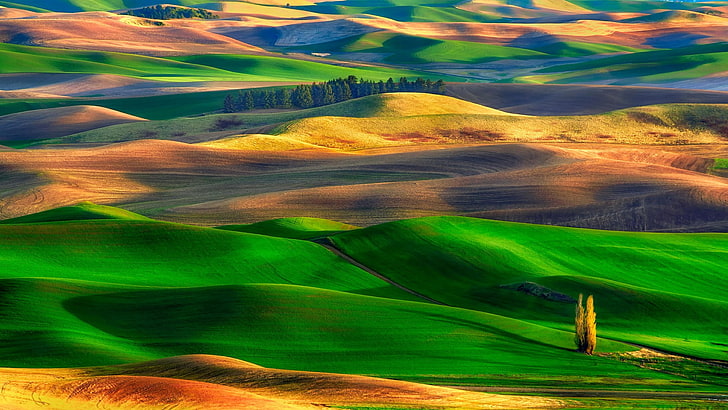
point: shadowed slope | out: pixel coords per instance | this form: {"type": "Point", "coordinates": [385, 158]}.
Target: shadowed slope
{"type": "Point", "coordinates": [537, 99]}
{"type": "Point", "coordinates": [82, 211]}
{"type": "Point", "coordinates": [606, 187]}
{"type": "Point", "coordinates": [294, 228]}
{"type": "Point", "coordinates": [76, 323]}
{"type": "Point", "coordinates": [660, 290]}
{"type": "Point", "coordinates": [57, 122]}
{"type": "Point", "coordinates": [152, 253]}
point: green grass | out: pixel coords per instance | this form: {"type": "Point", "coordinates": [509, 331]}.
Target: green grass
{"type": "Point", "coordinates": [23, 6]}
{"type": "Point", "coordinates": [79, 291]}
{"type": "Point", "coordinates": [406, 11]}
{"type": "Point", "coordinates": [161, 107]}
{"type": "Point", "coordinates": [635, 5]}
{"type": "Point", "coordinates": [660, 290]}
{"type": "Point", "coordinates": [579, 49]}
{"type": "Point", "coordinates": [647, 66]}
{"type": "Point", "coordinates": [150, 253]}
{"type": "Point", "coordinates": [721, 163]}
{"type": "Point", "coordinates": [82, 211]}
{"type": "Point", "coordinates": [430, 14]}
{"type": "Point", "coordinates": [405, 49]}
{"type": "Point", "coordinates": [279, 69]}
{"type": "Point", "coordinates": [64, 323]}
{"type": "Point", "coordinates": [227, 67]}
{"type": "Point", "coordinates": [294, 228]}
{"type": "Point", "coordinates": [166, 107]}
{"type": "Point", "coordinates": [26, 59]}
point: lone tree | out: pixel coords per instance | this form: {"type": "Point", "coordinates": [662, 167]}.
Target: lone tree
{"type": "Point", "coordinates": [585, 321]}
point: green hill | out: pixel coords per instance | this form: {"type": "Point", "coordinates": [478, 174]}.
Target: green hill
{"type": "Point", "coordinates": [635, 6]}
{"type": "Point", "coordinates": [82, 211]}
{"type": "Point", "coordinates": [405, 49]}
{"type": "Point", "coordinates": [648, 66]}
{"type": "Point", "coordinates": [294, 228]}
{"type": "Point", "coordinates": [661, 290]}
{"type": "Point", "coordinates": [70, 323]}
{"type": "Point", "coordinates": [26, 59]}
{"type": "Point", "coordinates": [228, 67]}
{"type": "Point", "coordinates": [106, 291]}
{"type": "Point", "coordinates": [151, 253]}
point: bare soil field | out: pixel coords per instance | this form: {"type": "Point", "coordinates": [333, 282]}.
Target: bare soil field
{"type": "Point", "coordinates": [595, 186]}
{"type": "Point", "coordinates": [538, 99]}
{"type": "Point", "coordinates": [216, 382]}
{"type": "Point", "coordinates": [112, 32]}
{"type": "Point", "coordinates": [65, 85]}
{"type": "Point", "coordinates": [56, 122]}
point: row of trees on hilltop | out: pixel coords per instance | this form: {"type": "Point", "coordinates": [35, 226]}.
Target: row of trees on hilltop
{"type": "Point", "coordinates": [159, 12]}
{"type": "Point", "coordinates": [329, 92]}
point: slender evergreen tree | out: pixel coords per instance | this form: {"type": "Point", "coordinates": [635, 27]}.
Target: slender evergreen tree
{"type": "Point", "coordinates": [585, 321]}
{"type": "Point", "coordinates": [229, 104]}
{"type": "Point", "coordinates": [590, 323]}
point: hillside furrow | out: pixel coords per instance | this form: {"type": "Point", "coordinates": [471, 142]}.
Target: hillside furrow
{"type": "Point", "coordinates": [326, 243]}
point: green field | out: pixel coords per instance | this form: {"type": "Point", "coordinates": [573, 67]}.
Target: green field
{"type": "Point", "coordinates": [404, 49]}
{"type": "Point", "coordinates": [78, 290]}
{"type": "Point", "coordinates": [162, 107]}
{"type": "Point", "coordinates": [293, 228]}
{"type": "Point", "coordinates": [661, 290]}
{"type": "Point", "coordinates": [636, 6]}
{"type": "Point", "coordinates": [647, 66]}
{"type": "Point", "coordinates": [579, 48]}
{"type": "Point", "coordinates": [228, 67]}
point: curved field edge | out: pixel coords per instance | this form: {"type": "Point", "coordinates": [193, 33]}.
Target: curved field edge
{"type": "Point", "coordinates": [661, 290]}
{"type": "Point", "coordinates": [191, 290]}
{"type": "Point", "coordinates": [285, 326]}
{"type": "Point", "coordinates": [370, 122]}
{"type": "Point", "coordinates": [151, 253]}
{"type": "Point", "coordinates": [179, 380]}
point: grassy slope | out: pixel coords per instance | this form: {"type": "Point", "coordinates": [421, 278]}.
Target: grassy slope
{"type": "Point", "coordinates": [196, 290]}
{"type": "Point", "coordinates": [649, 66]}
{"type": "Point", "coordinates": [661, 290]}
{"type": "Point", "coordinates": [405, 49]}
{"type": "Point", "coordinates": [579, 48]}
{"type": "Point", "coordinates": [284, 69]}
{"type": "Point", "coordinates": [633, 5]}
{"type": "Point", "coordinates": [82, 211]}
{"type": "Point", "coordinates": [163, 254]}
{"type": "Point", "coordinates": [294, 228]}
{"type": "Point", "coordinates": [23, 6]}
{"type": "Point", "coordinates": [386, 105]}
{"type": "Point", "coordinates": [25, 59]}
{"type": "Point", "coordinates": [73, 323]}
{"type": "Point", "coordinates": [160, 107]}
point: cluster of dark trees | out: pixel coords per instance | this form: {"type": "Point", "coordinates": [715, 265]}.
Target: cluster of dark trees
{"type": "Point", "coordinates": [159, 12]}
{"type": "Point", "coordinates": [329, 92]}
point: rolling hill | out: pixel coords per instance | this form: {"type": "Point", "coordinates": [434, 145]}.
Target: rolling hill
{"type": "Point", "coordinates": [243, 299]}
{"type": "Point", "coordinates": [654, 67]}
{"type": "Point", "coordinates": [57, 122]}
{"type": "Point", "coordinates": [656, 277]}
{"type": "Point", "coordinates": [206, 381]}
